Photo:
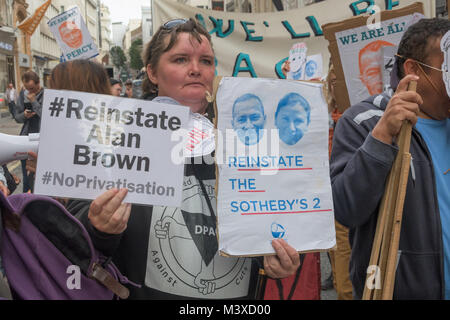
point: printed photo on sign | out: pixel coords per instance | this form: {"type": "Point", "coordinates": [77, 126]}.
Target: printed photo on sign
{"type": "Point", "coordinates": [90, 143]}
{"type": "Point", "coordinates": [72, 35]}
{"type": "Point", "coordinates": [357, 45]}
{"type": "Point", "coordinates": [365, 47]}
{"type": "Point", "coordinates": [273, 166]}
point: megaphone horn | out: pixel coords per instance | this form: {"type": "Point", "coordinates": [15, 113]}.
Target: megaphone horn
{"type": "Point", "coordinates": [16, 147]}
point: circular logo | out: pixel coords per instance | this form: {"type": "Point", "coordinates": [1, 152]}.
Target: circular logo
{"type": "Point", "coordinates": [278, 230]}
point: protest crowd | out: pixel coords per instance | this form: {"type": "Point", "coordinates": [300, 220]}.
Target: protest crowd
{"type": "Point", "coordinates": [124, 243]}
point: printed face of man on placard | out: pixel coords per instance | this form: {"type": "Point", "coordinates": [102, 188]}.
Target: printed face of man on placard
{"type": "Point", "coordinates": [248, 118]}
{"type": "Point", "coordinates": [369, 66]}
{"type": "Point", "coordinates": [71, 34]}
{"type": "Point", "coordinates": [292, 118]}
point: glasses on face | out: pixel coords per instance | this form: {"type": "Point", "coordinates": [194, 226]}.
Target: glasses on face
{"type": "Point", "coordinates": [421, 63]}
{"type": "Point", "coordinates": [169, 25]}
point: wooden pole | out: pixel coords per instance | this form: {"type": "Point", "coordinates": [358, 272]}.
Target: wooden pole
{"type": "Point", "coordinates": [387, 234]}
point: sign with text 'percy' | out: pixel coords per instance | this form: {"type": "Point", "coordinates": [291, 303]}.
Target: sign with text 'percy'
{"type": "Point", "coordinates": [273, 170]}
{"type": "Point", "coordinates": [90, 143]}
{"type": "Point", "coordinates": [72, 35]}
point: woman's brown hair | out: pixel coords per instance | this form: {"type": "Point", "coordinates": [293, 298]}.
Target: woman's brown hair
{"type": "Point", "coordinates": [80, 75]}
{"type": "Point", "coordinates": [157, 46]}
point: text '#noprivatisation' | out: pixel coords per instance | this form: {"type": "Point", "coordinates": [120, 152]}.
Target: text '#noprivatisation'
{"type": "Point", "coordinates": [94, 183]}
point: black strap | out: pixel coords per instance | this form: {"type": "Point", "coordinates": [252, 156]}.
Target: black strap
{"type": "Point", "coordinates": [202, 186]}
{"type": "Point", "coordinates": [294, 284]}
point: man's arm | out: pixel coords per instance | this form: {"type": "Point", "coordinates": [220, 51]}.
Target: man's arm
{"type": "Point", "coordinates": [362, 158]}
{"type": "Point", "coordinates": [20, 109]}
{"type": "Point", "coordinates": [37, 103]}
{"type": "Point", "coordinates": [359, 167]}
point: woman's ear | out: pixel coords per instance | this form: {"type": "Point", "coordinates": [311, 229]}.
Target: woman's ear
{"type": "Point", "coordinates": [410, 67]}
{"type": "Point", "coordinates": [152, 74]}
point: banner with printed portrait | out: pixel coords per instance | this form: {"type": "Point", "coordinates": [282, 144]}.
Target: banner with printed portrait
{"type": "Point", "coordinates": [257, 44]}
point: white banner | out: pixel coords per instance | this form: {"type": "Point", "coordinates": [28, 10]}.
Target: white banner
{"type": "Point", "coordinates": [72, 35]}
{"type": "Point", "coordinates": [257, 44]}
{"type": "Point", "coordinates": [90, 143]}
{"type": "Point", "coordinates": [274, 178]}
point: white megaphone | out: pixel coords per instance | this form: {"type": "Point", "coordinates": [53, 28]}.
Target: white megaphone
{"type": "Point", "coordinates": [16, 147]}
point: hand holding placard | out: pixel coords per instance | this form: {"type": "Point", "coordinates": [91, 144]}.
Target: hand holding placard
{"type": "Point", "coordinates": [108, 213]}
{"type": "Point", "coordinates": [284, 263]}
{"type": "Point", "coordinates": [404, 105]}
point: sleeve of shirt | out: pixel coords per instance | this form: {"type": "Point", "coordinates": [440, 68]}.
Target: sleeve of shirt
{"type": "Point", "coordinates": [105, 243]}
{"type": "Point", "coordinates": [360, 165]}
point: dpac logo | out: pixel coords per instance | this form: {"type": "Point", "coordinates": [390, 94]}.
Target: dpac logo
{"type": "Point", "coordinates": [278, 231]}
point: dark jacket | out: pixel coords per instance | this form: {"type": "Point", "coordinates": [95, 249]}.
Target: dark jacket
{"type": "Point", "coordinates": [33, 124]}
{"type": "Point", "coordinates": [360, 165]}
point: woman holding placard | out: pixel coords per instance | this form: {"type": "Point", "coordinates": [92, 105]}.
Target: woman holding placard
{"type": "Point", "coordinates": [172, 252]}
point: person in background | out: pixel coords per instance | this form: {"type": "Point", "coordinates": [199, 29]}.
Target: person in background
{"type": "Point", "coordinates": [11, 97]}
{"type": "Point", "coordinates": [28, 112]}
{"type": "Point", "coordinates": [128, 89]}
{"type": "Point", "coordinates": [116, 87]}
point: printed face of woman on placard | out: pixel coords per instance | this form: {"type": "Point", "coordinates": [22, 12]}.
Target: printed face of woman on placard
{"type": "Point", "coordinates": [292, 118]}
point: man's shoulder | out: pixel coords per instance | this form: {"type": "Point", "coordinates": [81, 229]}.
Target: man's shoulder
{"type": "Point", "coordinates": [373, 106]}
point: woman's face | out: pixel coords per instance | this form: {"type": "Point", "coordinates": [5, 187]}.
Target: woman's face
{"type": "Point", "coordinates": [185, 72]}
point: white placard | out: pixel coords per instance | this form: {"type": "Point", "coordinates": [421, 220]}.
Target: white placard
{"type": "Point", "coordinates": [445, 47]}
{"type": "Point", "coordinates": [304, 67]}
{"type": "Point", "coordinates": [90, 143]}
{"type": "Point", "coordinates": [314, 67]}
{"type": "Point", "coordinates": [297, 61]}
{"type": "Point", "coordinates": [72, 35]}
{"type": "Point", "coordinates": [360, 50]}
{"type": "Point", "coordinates": [273, 167]}
{"type": "Point", "coordinates": [387, 60]}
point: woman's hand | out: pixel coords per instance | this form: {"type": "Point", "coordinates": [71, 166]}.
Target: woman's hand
{"type": "Point", "coordinates": [31, 162]}
{"type": "Point", "coordinates": [286, 67]}
{"type": "Point", "coordinates": [285, 263]}
{"type": "Point", "coordinates": [108, 214]}
{"type": "Point", "coordinates": [4, 189]}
